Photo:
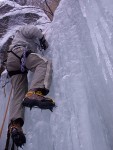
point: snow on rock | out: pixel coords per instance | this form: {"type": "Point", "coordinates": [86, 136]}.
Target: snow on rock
{"type": "Point", "coordinates": [13, 15]}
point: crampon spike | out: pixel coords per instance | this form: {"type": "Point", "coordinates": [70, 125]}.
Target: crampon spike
{"type": "Point", "coordinates": [51, 109]}
{"type": "Point", "coordinates": [30, 108]}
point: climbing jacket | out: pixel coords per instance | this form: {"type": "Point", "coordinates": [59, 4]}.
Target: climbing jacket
{"type": "Point", "coordinates": [29, 36]}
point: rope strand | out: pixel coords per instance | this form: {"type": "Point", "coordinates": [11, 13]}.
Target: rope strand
{"type": "Point", "coordinates": [49, 8]}
{"type": "Point", "coordinates": [1, 129]}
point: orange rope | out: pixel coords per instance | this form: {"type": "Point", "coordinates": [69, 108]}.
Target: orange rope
{"type": "Point", "coordinates": [1, 129]}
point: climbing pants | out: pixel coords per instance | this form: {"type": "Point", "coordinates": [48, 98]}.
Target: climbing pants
{"type": "Point", "coordinates": [42, 69]}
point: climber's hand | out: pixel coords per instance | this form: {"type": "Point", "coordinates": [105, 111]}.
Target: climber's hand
{"type": "Point", "coordinates": [43, 43]}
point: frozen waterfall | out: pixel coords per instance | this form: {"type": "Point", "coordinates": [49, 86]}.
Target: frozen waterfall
{"type": "Point", "coordinates": [81, 43]}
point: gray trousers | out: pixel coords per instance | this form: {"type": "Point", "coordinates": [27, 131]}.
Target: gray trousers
{"type": "Point", "coordinates": [42, 69]}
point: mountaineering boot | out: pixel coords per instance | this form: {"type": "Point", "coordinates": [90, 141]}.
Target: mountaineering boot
{"type": "Point", "coordinates": [17, 134]}
{"type": "Point", "coordinates": [37, 99]}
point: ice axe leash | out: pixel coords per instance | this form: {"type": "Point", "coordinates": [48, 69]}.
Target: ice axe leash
{"type": "Point", "coordinates": [5, 114]}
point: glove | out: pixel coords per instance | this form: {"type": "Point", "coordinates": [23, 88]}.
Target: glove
{"type": "Point", "coordinates": [43, 43]}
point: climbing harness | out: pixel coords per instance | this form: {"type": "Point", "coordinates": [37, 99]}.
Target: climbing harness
{"type": "Point", "coordinates": [22, 59]}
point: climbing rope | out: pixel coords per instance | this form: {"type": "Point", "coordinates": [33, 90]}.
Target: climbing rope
{"type": "Point", "coordinates": [50, 11]}
{"type": "Point", "coordinates": [3, 122]}
{"type": "Point", "coordinates": [49, 8]}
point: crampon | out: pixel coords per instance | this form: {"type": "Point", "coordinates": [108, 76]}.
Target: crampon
{"type": "Point", "coordinates": [45, 103]}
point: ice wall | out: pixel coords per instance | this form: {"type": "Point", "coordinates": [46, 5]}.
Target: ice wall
{"type": "Point", "coordinates": [81, 50]}
{"type": "Point", "coordinates": [82, 60]}
{"type": "Point", "coordinates": [80, 38]}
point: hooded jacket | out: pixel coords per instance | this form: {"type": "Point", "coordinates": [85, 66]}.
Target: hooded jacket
{"type": "Point", "coordinates": [29, 36]}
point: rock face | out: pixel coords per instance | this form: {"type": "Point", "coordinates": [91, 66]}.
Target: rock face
{"type": "Point", "coordinates": [21, 2]}
{"type": "Point", "coordinates": [43, 4]}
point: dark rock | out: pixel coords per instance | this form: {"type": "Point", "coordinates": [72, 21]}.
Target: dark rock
{"type": "Point", "coordinates": [3, 25]}
{"type": "Point", "coordinates": [20, 2]}
{"type": "Point", "coordinates": [4, 9]}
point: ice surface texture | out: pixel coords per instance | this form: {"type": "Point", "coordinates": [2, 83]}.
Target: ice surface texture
{"type": "Point", "coordinates": [80, 38]}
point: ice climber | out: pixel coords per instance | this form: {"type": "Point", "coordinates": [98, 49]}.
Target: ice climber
{"type": "Point", "coordinates": [21, 57]}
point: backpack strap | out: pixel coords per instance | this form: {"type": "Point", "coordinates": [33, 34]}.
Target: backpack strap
{"type": "Point", "coordinates": [14, 54]}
